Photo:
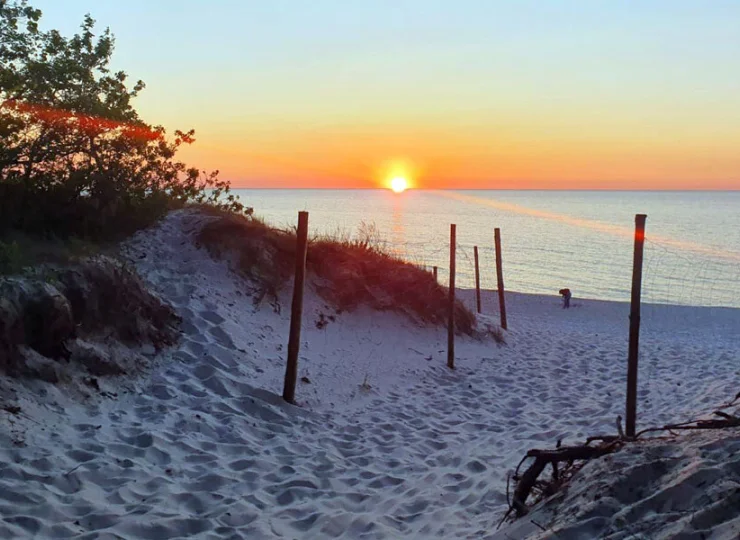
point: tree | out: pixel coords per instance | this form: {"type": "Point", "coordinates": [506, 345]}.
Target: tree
{"type": "Point", "coordinates": [75, 157]}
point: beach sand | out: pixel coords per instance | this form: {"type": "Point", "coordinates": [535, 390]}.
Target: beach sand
{"type": "Point", "coordinates": [386, 443]}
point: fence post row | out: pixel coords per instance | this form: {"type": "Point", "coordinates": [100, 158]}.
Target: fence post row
{"type": "Point", "coordinates": [451, 314]}
{"type": "Point", "coordinates": [500, 278]}
{"type": "Point", "coordinates": [634, 342]}
{"type": "Point", "coordinates": [294, 340]}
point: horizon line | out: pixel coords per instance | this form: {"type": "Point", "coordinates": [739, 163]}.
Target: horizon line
{"type": "Point", "coordinates": [688, 190]}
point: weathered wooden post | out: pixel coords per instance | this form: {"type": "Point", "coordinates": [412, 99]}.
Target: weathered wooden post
{"type": "Point", "coordinates": [500, 277]}
{"type": "Point", "coordinates": [477, 278]}
{"type": "Point", "coordinates": [451, 314]}
{"type": "Point", "coordinates": [634, 343]}
{"type": "Point", "coordinates": [434, 271]}
{"type": "Point", "coordinates": [294, 340]}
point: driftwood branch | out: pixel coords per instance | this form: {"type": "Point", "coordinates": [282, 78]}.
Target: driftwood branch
{"type": "Point", "coordinates": [529, 481]}
{"type": "Point", "coordinates": [542, 458]}
{"type": "Point", "coordinates": [603, 438]}
{"type": "Point", "coordinates": [525, 485]}
{"type": "Point", "coordinates": [570, 453]}
{"type": "Point", "coordinates": [728, 421]}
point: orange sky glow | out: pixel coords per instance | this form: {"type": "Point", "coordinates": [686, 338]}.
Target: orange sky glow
{"type": "Point", "coordinates": [467, 94]}
{"type": "Point", "coordinates": [468, 159]}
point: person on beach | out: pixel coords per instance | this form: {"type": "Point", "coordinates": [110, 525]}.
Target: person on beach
{"type": "Point", "coordinates": [565, 293]}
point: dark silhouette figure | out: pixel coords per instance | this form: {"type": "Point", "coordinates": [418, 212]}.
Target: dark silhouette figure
{"type": "Point", "coordinates": [566, 294]}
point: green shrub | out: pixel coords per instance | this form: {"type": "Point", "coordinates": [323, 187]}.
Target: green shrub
{"type": "Point", "coordinates": [75, 157]}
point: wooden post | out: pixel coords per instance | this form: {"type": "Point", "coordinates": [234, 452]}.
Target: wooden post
{"type": "Point", "coordinates": [634, 343]}
{"type": "Point", "coordinates": [477, 278]}
{"type": "Point", "coordinates": [434, 271]}
{"type": "Point", "coordinates": [451, 314]}
{"type": "Point", "coordinates": [294, 340]}
{"type": "Point", "coordinates": [500, 278]}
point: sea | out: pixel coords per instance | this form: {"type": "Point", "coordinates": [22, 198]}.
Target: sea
{"type": "Point", "coordinates": [581, 240]}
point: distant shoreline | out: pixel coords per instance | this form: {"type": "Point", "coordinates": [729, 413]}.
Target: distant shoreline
{"type": "Point", "coordinates": [465, 292]}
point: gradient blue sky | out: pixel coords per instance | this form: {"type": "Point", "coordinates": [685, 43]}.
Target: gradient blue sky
{"type": "Point", "coordinates": [529, 94]}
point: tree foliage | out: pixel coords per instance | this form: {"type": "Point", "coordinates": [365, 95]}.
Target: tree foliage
{"type": "Point", "coordinates": [75, 157]}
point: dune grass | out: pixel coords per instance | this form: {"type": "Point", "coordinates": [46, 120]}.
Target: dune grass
{"type": "Point", "coordinates": [19, 251]}
{"type": "Point", "coordinates": [348, 272]}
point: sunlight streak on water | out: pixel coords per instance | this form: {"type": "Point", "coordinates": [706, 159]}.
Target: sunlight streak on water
{"type": "Point", "coordinates": [605, 228]}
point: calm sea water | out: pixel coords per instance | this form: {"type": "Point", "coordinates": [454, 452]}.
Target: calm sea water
{"type": "Point", "coordinates": [551, 239]}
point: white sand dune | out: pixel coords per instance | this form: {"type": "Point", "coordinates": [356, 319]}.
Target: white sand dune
{"type": "Point", "coordinates": [387, 443]}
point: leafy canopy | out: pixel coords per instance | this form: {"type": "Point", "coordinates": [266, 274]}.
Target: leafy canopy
{"type": "Point", "coordinates": [75, 157]}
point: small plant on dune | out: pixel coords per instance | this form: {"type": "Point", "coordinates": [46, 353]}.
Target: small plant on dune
{"type": "Point", "coordinates": [369, 238]}
{"type": "Point", "coordinates": [497, 334]}
{"type": "Point", "coordinates": [494, 332]}
{"type": "Point", "coordinates": [11, 258]}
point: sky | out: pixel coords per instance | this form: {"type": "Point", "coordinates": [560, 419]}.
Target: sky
{"type": "Point", "coordinates": [485, 94]}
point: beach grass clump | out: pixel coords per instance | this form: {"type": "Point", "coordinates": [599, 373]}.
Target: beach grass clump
{"type": "Point", "coordinates": [20, 252]}
{"type": "Point", "coordinates": [109, 298]}
{"type": "Point", "coordinates": [345, 270]}
{"type": "Point", "coordinates": [260, 253]}
{"type": "Point", "coordinates": [68, 312]}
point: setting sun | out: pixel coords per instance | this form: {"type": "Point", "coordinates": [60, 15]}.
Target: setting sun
{"type": "Point", "coordinates": [399, 184]}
